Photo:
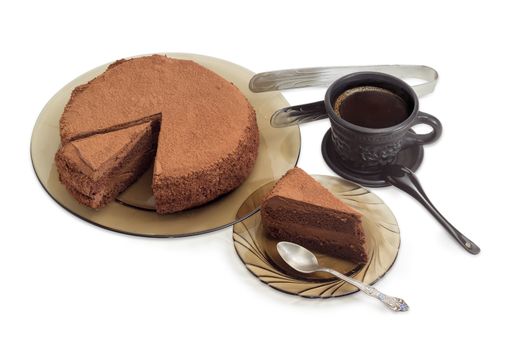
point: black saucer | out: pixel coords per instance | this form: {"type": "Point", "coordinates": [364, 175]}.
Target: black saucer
{"type": "Point", "coordinates": [410, 157]}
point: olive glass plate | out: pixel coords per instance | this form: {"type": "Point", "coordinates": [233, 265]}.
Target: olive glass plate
{"type": "Point", "coordinates": [258, 251]}
{"type": "Point", "coordinates": [133, 211]}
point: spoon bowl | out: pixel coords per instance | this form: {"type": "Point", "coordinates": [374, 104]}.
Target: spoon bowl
{"type": "Point", "coordinates": [298, 257]}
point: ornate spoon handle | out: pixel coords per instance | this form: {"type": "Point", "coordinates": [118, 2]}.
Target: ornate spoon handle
{"type": "Point", "coordinates": [393, 303]}
{"type": "Point", "coordinates": [324, 76]}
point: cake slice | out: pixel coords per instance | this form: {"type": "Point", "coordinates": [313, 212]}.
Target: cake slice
{"type": "Point", "coordinates": [95, 169]}
{"type": "Point", "coordinates": [298, 209]}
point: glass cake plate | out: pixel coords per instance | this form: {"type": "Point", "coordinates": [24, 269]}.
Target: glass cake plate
{"type": "Point", "coordinates": [258, 251]}
{"type": "Point", "coordinates": [133, 211]}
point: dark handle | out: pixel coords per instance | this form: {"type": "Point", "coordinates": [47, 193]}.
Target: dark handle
{"type": "Point", "coordinates": [404, 179]}
{"type": "Point", "coordinates": [300, 114]}
{"type": "Point", "coordinates": [422, 139]}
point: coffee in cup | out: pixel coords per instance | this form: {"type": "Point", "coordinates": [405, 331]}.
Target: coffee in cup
{"type": "Point", "coordinates": [371, 107]}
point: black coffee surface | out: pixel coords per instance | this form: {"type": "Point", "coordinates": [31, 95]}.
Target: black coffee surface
{"type": "Point", "coordinates": [371, 107]}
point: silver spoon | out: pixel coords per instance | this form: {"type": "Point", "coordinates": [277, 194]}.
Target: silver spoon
{"type": "Point", "coordinates": [304, 261]}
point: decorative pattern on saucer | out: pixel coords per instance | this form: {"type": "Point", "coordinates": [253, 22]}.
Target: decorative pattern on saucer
{"type": "Point", "coordinates": [258, 251]}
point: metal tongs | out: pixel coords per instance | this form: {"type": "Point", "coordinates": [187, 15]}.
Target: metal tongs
{"type": "Point", "coordinates": [323, 77]}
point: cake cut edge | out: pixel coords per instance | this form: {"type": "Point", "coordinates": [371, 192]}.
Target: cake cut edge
{"type": "Point", "coordinates": [97, 183]}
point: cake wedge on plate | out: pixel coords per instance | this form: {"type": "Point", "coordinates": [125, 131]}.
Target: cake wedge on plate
{"type": "Point", "coordinates": [298, 209]}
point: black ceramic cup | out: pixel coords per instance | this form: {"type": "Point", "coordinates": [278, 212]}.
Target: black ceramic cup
{"type": "Point", "coordinates": [365, 149]}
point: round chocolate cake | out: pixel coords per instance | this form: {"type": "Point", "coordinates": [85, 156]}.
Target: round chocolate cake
{"type": "Point", "coordinates": [198, 128]}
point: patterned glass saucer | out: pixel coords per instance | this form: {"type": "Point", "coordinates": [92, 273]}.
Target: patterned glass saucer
{"type": "Point", "coordinates": [258, 251]}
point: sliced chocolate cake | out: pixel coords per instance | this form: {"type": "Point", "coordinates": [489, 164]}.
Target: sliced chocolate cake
{"type": "Point", "coordinates": [208, 139]}
{"type": "Point", "coordinates": [298, 209]}
{"type": "Point", "coordinates": [96, 169]}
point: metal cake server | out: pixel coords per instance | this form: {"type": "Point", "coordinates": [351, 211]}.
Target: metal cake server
{"type": "Point", "coordinates": [404, 179]}
{"type": "Point", "coordinates": [304, 261]}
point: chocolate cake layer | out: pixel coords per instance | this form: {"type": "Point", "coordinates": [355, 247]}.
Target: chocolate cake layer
{"type": "Point", "coordinates": [208, 141]}
{"type": "Point", "coordinates": [96, 169]}
{"type": "Point", "coordinates": [298, 209]}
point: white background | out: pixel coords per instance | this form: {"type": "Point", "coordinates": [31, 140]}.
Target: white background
{"type": "Point", "coordinates": [65, 284]}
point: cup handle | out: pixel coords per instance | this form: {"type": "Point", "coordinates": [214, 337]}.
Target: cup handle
{"type": "Point", "coordinates": [422, 139]}
{"type": "Point", "coordinates": [300, 114]}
